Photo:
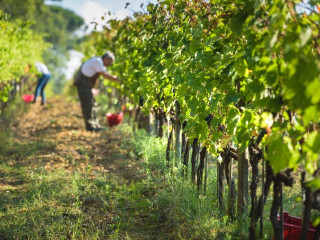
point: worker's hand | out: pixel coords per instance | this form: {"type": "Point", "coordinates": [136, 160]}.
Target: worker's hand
{"type": "Point", "coordinates": [110, 77]}
{"type": "Point", "coordinates": [95, 91]}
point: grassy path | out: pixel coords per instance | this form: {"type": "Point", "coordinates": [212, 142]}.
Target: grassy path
{"type": "Point", "coordinates": [58, 181]}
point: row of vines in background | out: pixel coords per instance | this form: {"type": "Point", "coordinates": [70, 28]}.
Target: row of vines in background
{"type": "Point", "coordinates": [10, 90]}
{"type": "Point", "coordinates": [19, 47]}
{"type": "Point", "coordinates": [239, 80]}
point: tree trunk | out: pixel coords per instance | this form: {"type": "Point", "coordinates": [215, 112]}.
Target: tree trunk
{"type": "Point", "coordinates": [220, 187]}
{"type": "Point", "coordinates": [317, 234]}
{"type": "Point", "coordinates": [242, 204]}
{"type": "Point", "coordinates": [195, 151]}
{"type": "Point", "coordinates": [206, 175]}
{"type": "Point", "coordinates": [306, 214]}
{"type": "Point", "coordinates": [183, 140]}
{"type": "Point", "coordinates": [203, 154]}
{"type": "Point", "coordinates": [177, 134]}
{"type": "Point", "coordinates": [156, 121]}
{"type": "Point", "coordinates": [160, 127]}
{"type": "Point", "coordinates": [168, 149]}
{"type": "Point", "coordinates": [136, 118]}
{"type": "Point", "coordinates": [144, 122]}
{"type": "Point", "coordinates": [231, 192]}
{"type": "Point", "coordinates": [263, 197]}
{"type": "Point", "coordinates": [186, 159]}
{"type": "Point", "coordinates": [143, 119]}
{"type": "Point", "coordinates": [255, 156]}
{"type": "Point", "coordinates": [276, 205]}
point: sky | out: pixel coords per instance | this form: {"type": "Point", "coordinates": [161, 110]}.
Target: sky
{"type": "Point", "coordinates": [92, 11]}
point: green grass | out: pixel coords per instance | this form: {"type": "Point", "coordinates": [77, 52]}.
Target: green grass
{"type": "Point", "coordinates": [36, 203]}
{"type": "Point", "coordinates": [59, 204]}
{"type": "Point", "coordinates": [71, 204]}
{"type": "Point", "coordinates": [55, 205]}
{"type": "Point", "coordinates": [189, 214]}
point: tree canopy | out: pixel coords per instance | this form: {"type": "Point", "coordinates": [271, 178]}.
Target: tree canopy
{"type": "Point", "coordinates": [56, 23]}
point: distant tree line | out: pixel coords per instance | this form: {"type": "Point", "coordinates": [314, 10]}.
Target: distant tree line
{"type": "Point", "coordinates": [56, 24]}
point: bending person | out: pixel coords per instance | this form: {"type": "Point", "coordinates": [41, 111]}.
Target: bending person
{"type": "Point", "coordinates": [85, 79]}
{"type": "Point", "coordinates": [42, 82]}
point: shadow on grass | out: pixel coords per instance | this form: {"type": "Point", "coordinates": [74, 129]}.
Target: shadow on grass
{"type": "Point", "coordinates": [61, 206]}
{"type": "Point", "coordinates": [18, 153]}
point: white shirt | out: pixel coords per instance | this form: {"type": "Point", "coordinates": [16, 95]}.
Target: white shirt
{"type": "Point", "coordinates": [93, 66]}
{"type": "Point", "coordinates": [42, 68]}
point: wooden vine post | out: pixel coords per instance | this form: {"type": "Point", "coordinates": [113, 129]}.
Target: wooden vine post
{"type": "Point", "coordinates": [201, 168]}
{"type": "Point", "coordinates": [231, 192]}
{"type": "Point", "coordinates": [276, 205]}
{"type": "Point", "coordinates": [195, 151]}
{"type": "Point", "coordinates": [177, 134]}
{"type": "Point", "coordinates": [242, 199]}
{"type": "Point", "coordinates": [220, 166]}
{"type": "Point", "coordinates": [238, 74]}
{"type": "Point", "coordinates": [185, 151]}
{"type": "Point", "coordinates": [168, 148]}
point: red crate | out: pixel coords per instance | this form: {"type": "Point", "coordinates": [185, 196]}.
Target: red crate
{"type": "Point", "coordinates": [292, 228]}
{"type": "Point", "coordinates": [114, 118]}
{"type": "Point", "coordinates": [27, 98]}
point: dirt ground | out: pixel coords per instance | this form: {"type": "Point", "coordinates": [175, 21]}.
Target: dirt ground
{"type": "Point", "coordinates": [54, 138]}
{"type": "Point", "coordinates": [61, 123]}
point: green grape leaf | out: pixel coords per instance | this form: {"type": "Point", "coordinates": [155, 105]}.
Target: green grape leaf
{"type": "Point", "coordinates": [232, 121]}
{"type": "Point", "coordinates": [314, 184]}
{"type": "Point", "coordinates": [278, 153]}
{"type": "Point", "coordinates": [305, 36]}
{"type": "Point", "coordinates": [241, 66]}
{"type": "Point", "coordinates": [312, 143]}
{"type": "Point", "coordinates": [311, 114]}
{"type": "Point", "coordinates": [231, 97]}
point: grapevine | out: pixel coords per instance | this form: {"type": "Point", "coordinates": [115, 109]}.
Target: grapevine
{"type": "Point", "coordinates": [19, 48]}
{"type": "Point", "coordinates": [243, 77]}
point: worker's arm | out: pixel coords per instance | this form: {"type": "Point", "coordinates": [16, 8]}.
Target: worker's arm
{"type": "Point", "coordinates": [33, 80]}
{"type": "Point", "coordinates": [110, 77]}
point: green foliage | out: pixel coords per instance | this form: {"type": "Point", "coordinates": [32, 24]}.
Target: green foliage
{"type": "Point", "coordinates": [235, 60]}
{"type": "Point", "coordinates": [20, 46]}
{"type": "Point", "coordinates": [176, 201]}
{"type": "Point", "coordinates": [55, 207]}
{"type": "Point", "coordinates": [55, 24]}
